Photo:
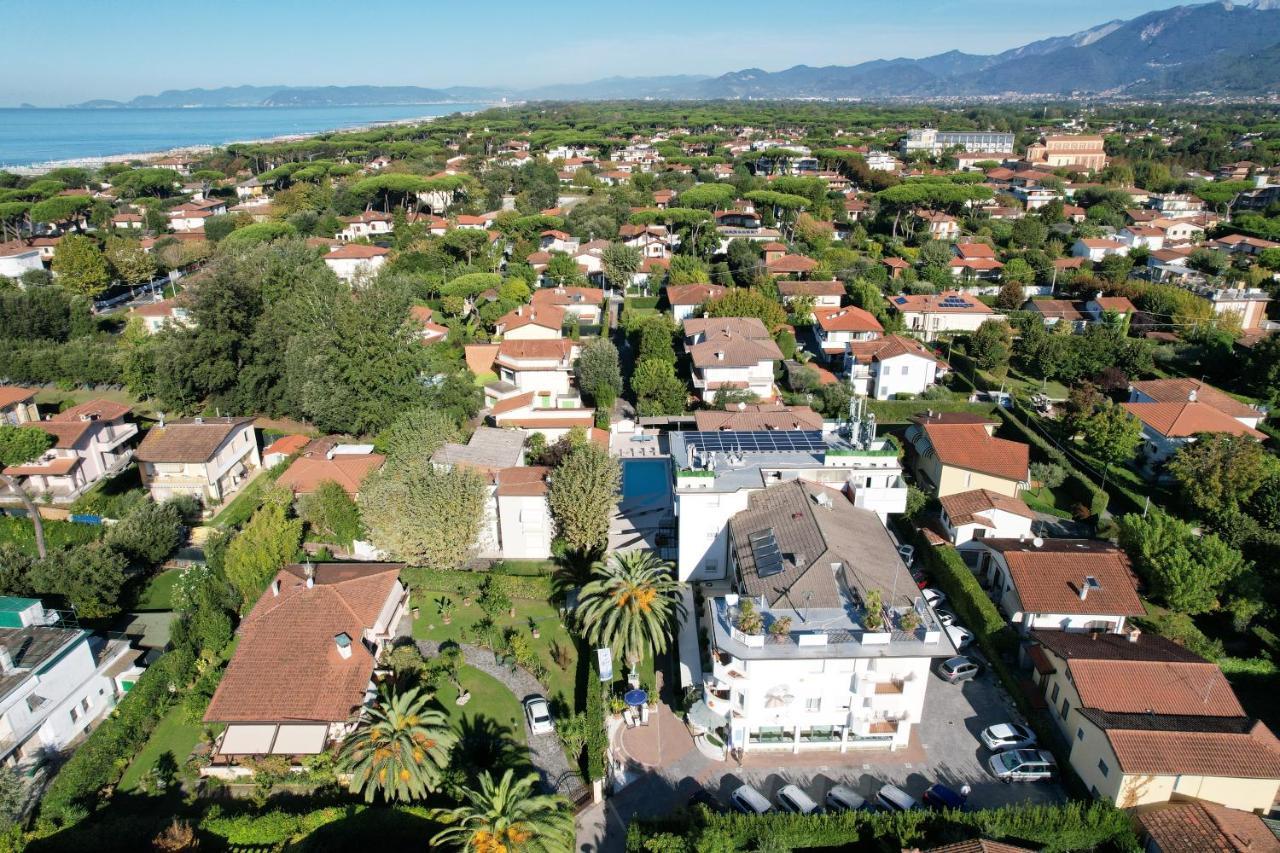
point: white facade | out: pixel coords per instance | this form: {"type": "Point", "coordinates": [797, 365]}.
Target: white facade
{"type": "Point", "coordinates": [349, 269]}
{"type": "Point", "coordinates": [525, 526]}
{"type": "Point", "coordinates": [212, 480]}
{"type": "Point", "coordinates": [900, 374]}
{"type": "Point", "coordinates": [15, 262]}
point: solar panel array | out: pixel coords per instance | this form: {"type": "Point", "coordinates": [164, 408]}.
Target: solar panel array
{"type": "Point", "coordinates": [764, 547]}
{"type": "Point", "coordinates": [955, 302]}
{"type": "Point", "coordinates": [762, 441]}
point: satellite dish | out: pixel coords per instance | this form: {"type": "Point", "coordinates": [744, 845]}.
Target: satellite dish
{"type": "Point", "coordinates": [1038, 542]}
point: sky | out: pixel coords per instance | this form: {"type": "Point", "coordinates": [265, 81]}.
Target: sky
{"type": "Point", "coordinates": [67, 51]}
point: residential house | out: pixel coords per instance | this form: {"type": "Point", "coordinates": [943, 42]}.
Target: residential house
{"type": "Point", "coordinates": [731, 353]}
{"type": "Point", "coordinates": [977, 260]}
{"type": "Point", "coordinates": [1248, 304]}
{"type": "Point", "coordinates": [302, 672]}
{"type": "Point", "coordinates": [1184, 390]}
{"type": "Point", "coordinates": [552, 415]}
{"type": "Point", "coordinates": [207, 458]}
{"type": "Point", "coordinates": [1175, 205]}
{"type": "Point", "coordinates": [958, 452]}
{"type": "Point", "coordinates": [56, 683]}
{"type": "Point", "coordinates": [493, 453]}
{"type": "Point", "coordinates": [326, 460]}
{"type": "Point", "coordinates": [1072, 313]}
{"type": "Point", "coordinates": [525, 526]}
{"type": "Point", "coordinates": [282, 448]}
{"type": "Point", "coordinates": [431, 331]}
{"type": "Point", "coordinates": [128, 221]}
{"type": "Point", "coordinates": [1142, 237]}
{"type": "Point", "coordinates": [839, 328]}
{"type": "Point", "coordinates": [825, 294]}
{"type": "Point", "coordinates": [882, 161]}
{"type": "Point", "coordinates": [1194, 826]}
{"type": "Point", "coordinates": [531, 323]}
{"type": "Point", "coordinates": [535, 365]}
{"type": "Point", "coordinates": [354, 260]}
{"type": "Point", "coordinates": [1033, 196]}
{"type": "Point", "coordinates": [157, 315]}
{"type": "Point", "coordinates": [1100, 307]}
{"type": "Point", "coordinates": [744, 417]}
{"type": "Point", "coordinates": [839, 653]}
{"type": "Point", "coordinates": [928, 315]}
{"type": "Point", "coordinates": [939, 225]}
{"type": "Point", "coordinates": [365, 225]}
{"type": "Point", "coordinates": [18, 405]}
{"type": "Point", "coordinates": [685, 299]}
{"type": "Point", "coordinates": [1166, 427]}
{"type": "Point", "coordinates": [967, 161]}
{"type": "Point", "coordinates": [553, 240]}
{"type": "Point", "coordinates": [1074, 151]}
{"type": "Point", "coordinates": [91, 441]}
{"type": "Point", "coordinates": [583, 304]}
{"type": "Point", "coordinates": [1242, 244]}
{"type": "Point", "coordinates": [1059, 584]}
{"type": "Point", "coordinates": [717, 469]}
{"type": "Point", "coordinates": [797, 265]}
{"type": "Point", "coordinates": [1097, 249]}
{"type": "Point", "coordinates": [18, 257]}
{"type": "Point", "coordinates": [1149, 721]}
{"type": "Point", "coordinates": [882, 368]}
{"type": "Point", "coordinates": [967, 518]}
{"type": "Point", "coordinates": [896, 266]}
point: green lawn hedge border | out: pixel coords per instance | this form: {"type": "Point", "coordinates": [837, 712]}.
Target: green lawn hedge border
{"type": "Point", "coordinates": [537, 587]}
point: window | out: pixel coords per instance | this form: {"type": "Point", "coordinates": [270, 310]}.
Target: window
{"type": "Point", "coordinates": [1080, 734]}
{"type": "Point", "coordinates": [980, 533]}
{"type": "Point", "coordinates": [1066, 708]}
{"type": "Point", "coordinates": [1054, 696]}
{"type": "Point", "coordinates": [75, 715]}
{"type": "Point", "coordinates": [906, 368]}
{"type": "Point", "coordinates": [1103, 768]}
{"type": "Point", "coordinates": [813, 704]}
{"type": "Point", "coordinates": [84, 703]}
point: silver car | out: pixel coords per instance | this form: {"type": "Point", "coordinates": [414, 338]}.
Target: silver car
{"type": "Point", "coordinates": [537, 712]}
{"type": "Point", "coordinates": [1022, 765]}
{"type": "Point", "coordinates": [750, 801]}
{"type": "Point", "coordinates": [1004, 736]}
{"type": "Point", "coordinates": [957, 669]}
{"type": "Point", "coordinates": [796, 801]}
{"type": "Point", "coordinates": [891, 798]}
{"type": "Point", "coordinates": [842, 798]}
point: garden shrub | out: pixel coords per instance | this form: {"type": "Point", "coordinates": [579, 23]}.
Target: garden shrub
{"type": "Point", "coordinates": [468, 583]}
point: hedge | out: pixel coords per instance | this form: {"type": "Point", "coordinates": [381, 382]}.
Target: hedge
{"type": "Point", "coordinates": [102, 759]}
{"type": "Point", "coordinates": [18, 531]}
{"type": "Point", "coordinates": [597, 746]}
{"type": "Point", "coordinates": [1057, 828]}
{"type": "Point", "coordinates": [464, 582]}
{"type": "Point", "coordinates": [1098, 499]}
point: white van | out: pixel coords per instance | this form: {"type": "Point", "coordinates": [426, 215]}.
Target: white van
{"type": "Point", "coordinates": [796, 801]}
{"type": "Point", "coordinates": [750, 801]}
{"type": "Point", "coordinates": [842, 798]}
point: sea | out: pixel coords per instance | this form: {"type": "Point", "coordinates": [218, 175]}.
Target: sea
{"type": "Point", "coordinates": [37, 136]}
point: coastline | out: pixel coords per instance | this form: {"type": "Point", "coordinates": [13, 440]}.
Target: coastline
{"type": "Point", "coordinates": [31, 169]}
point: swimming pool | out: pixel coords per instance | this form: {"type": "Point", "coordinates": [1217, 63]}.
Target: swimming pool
{"type": "Point", "coordinates": [645, 480]}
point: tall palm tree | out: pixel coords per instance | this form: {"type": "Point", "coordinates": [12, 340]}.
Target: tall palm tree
{"type": "Point", "coordinates": [399, 748]}
{"type": "Point", "coordinates": [631, 604]}
{"type": "Point", "coordinates": [506, 817]}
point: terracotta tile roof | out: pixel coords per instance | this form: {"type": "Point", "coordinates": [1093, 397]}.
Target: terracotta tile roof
{"type": "Point", "coordinates": [975, 250]}
{"type": "Point", "coordinates": [750, 418]}
{"type": "Point", "coordinates": [354, 251]}
{"type": "Point", "coordinates": [1119, 304]}
{"type": "Point", "coordinates": [67, 434]}
{"type": "Point", "coordinates": [519, 401]}
{"type": "Point", "coordinates": [1181, 420]}
{"type": "Point", "coordinates": [189, 440]}
{"type": "Point", "coordinates": [347, 470]}
{"type": "Point", "coordinates": [979, 845]}
{"type": "Point", "coordinates": [287, 445]}
{"type": "Point", "coordinates": [546, 316]}
{"type": "Point", "coordinates": [562, 296]}
{"type": "Point", "coordinates": [967, 507]}
{"type": "Point", "coordinates": [11, 394]}
{"type": "Point", "coordinates": [523, 481]}
{"type": "Point", "coordinates": [1161, 687]}
{"type": "Point", "coordinates": [930, 303]}
{"type": "Point", "coordinates": [480, 357]}
{"type": "Point", "coordinates": [693, 294]}
{"type": "Point", "coordinates": [286, 667]}
{"type": "Point", "coordinates": [977, 264]}
{"type": "Point", "coordinates": [1255, 755]}
{"type": "Point", "coordinates": [746, 327]}
{"type": "Point", "coordinates": [1180, 390]}
{"type": "Point", "coordinates": [728, 349]}
{"type": "Point", "coordinates": [811, 288]}
{"type": "Point", "coordinates": [559, 349]}
{"type": "Point", "coordinates": [888, 347]}
{"type": "Point", "coordinates": [896, 263]}
{"type": "Point", "coordinates": [791, 264]}
{"type": "Point", "coordinates": [55, 467]}
{"type": "Point", "coordinates": [102, 410]}
{"type": "Point", "coordinates": [968, 446]}
{"type": "Point", "coordinates": [1114, 647]}
{"type": "Point", "coordinates": [1049, 576]}
{"type": "Point", "coordinates": [1063, 309]}
{"type": "Point", "coordinates": [1198, 826]}
{"type": "Point", "coordinates": [567, 421]}
{"type": "Point", "coordinates": [163, 308]}
{"type": "Point", "coordinates": [848, 319]}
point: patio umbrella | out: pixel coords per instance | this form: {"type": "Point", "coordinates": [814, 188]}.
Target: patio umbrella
{"type": "Point", "coordinates": [635, 698]}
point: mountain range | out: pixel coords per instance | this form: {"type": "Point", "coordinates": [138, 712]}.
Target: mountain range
{"type": "Point", "coordinates": [1223, 48]}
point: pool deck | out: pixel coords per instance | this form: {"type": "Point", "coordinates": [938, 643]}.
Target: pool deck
{"type": "Point", "coordinates": [645, 444]}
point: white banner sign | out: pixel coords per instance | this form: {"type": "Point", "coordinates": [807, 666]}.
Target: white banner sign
{"type": "Point", "coordinates": [604, 662]}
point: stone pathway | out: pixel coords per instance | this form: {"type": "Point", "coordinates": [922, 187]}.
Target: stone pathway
{"type": "Point", "coordinates": [544, 750]}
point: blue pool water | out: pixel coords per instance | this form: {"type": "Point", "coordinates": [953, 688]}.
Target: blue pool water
{"type": "Point", "coordinates": [645, 479]}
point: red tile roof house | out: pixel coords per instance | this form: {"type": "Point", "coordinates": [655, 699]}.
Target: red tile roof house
{"type": "Point", "coordinates": [883, 367]}
{"type": "Point", "coordinates": [17, 405]}
{"type": "Point", "coordinates": [542, 412]}
{"type": "Point", "coordinates": [282, 448]}
{"type": "Point", "coordinates": [431, 331]}
{"type": "Point", "coordinates": [928, 315]}
{"type": "Point", "coordinates": [354, 260]}
{"type": "Point", "coordinates": [1060, 584]}
{"type": "Point", "coordinates": [324, 459]}
{"type": "Point", "coordinates": [92, 441]}
{"type": "Point", "coordinates": [685, 298]}
{"type": "Point", "coordinates": [302, 673]}
{"type": "Point", "coordinates": [370, 223]}
{"type": "Point", "coordinates": [1196, 827]}
{"type": "Point", "coordinates": [1149, 722]}
{"type": "Point", "coordinates": [838, 328]}
{"type": "Point", "coordinates": [967, 518]}
{"type": "Point", "coordinates": [584, 303]}
{"type": "Point", "coordinates": [535, 365]}
{"type": "Point", "coordinates": [825, 294]}
{"type": "Point", "coordinates": [732, 353]}
{"type": "Point", "coordinates": [957, 452]}
{"type": "Point", "coordinates": [1166, 427]}
{"type": "Point", "coordinates": [209, 458]}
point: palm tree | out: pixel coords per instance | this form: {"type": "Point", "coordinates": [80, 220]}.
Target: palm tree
{"type": "Point", "coordinates": [399, 748]}
{"type": "Point", "coordinates": [631, 604]}
{"type": "Point", "coordinates": [506, 817]}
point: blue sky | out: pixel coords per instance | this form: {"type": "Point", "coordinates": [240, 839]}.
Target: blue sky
{"type": "Point", "coordinates": [65, 51]}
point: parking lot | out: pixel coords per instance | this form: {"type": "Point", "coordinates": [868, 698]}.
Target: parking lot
{"type": "Point", "coordinates": [947, 739]}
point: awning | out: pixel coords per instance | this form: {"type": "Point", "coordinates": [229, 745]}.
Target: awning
{"type": "Point", "coordinates": [703, 717]}
{"type": "Point", "coordinates": [247, 739]}
{"type": "Point", "coordinates": [300, 740]}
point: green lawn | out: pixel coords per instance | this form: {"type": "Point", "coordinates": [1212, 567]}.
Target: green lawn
{"type": "Point", "coordinates": [489, 698]}
{"type": "Point", "coordinates": [57, 534]}
{"type": "Point", "coordinates": [172, 734]}
{"type": "Point", "coordinates": [1046, 500]}
{"type": "Point", "coordinates": [559, 681]}
{"type": "Point", "coordinates": [243, 505]}
{"type": "Point", "coordinates": [158, 593]}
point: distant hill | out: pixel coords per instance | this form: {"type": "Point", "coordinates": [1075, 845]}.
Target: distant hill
{"type": "Point", "coordinates": [1222, 47]}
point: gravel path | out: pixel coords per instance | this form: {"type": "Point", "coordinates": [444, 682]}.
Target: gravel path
{"type": "Point", "coordinates": [544, 750]}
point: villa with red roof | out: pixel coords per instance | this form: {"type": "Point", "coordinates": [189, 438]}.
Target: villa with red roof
{"type": "Point", "coordinates": [957, 452]}
{"type": "Point", "coordinates": [928, 315]}
{"type": "Point", "coordinates": [91, 441]}
{"type": "Point", "coordinates": [353, 260]}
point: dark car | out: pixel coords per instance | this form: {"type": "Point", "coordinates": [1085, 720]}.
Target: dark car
{"type": "Point", "coordinates": [939, 796]}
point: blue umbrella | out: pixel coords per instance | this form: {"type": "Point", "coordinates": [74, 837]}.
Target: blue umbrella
{"type": "Point", "coordinates": [636, 698]}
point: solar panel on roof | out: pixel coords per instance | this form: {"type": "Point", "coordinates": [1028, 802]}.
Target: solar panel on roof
{"type": "Point", "coordinates": [768, 556]}
{"type": "Point", "coordinates": [763, 441]}
{"type": "Point", "coordinates": [901, 300]}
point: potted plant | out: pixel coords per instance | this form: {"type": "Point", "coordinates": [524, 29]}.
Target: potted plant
{"type": "Point", "coordinates": [534, 631]}
{"type": "Point", "coordinates": [875, 610]}
{"type": "Point", "coordinates": [749, 620]}
{"type": "Point", "coordinates": [781, 626]}
{"type": "Point", "coordinates": [616, 706]}
{"type": "Point", "coordinates": [909, 621]}
{"type": "Point", "coordinates": [445, 605]}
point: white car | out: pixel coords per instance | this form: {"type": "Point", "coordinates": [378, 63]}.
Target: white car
{"type": "Point", "coordinates": [1004, 736]}
{"type": "Point", "coordinates": [796, 801]}
{"type": "Point", "coordinates": [537, 712]}
{"type": "Point", "coordinates": [748, 800]}
{"type": "Point", "coordinates": [933, 596]}
{"type": "Point", "coordinates": [961, 637]}
{"type": "Point", "coordinates": [842, 798]}
{"type": "Point", "coordinates": [945, 616]}
{"type": "Point", "coordinates": [891, 798]}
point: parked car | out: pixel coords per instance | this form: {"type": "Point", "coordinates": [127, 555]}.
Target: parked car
{"type": "Point", "coordinates": [750, 801]}
{"type": "Point", "coordinates": [933, 596]}
{"type": "Point", "coordinates": [945, 616]}
{"type": "Point", "coordinates": [842, 798]}
{"type": "Point", "coordinates": [1022, 765]}
{"type": "Point", "coordinates": [1004, 736]}
{"type": "Point", "coordinates": [960, 637]}
{"type": "Point", "coordinates": [939, 796]}
{"type": "Point", "coordinates": [957, 669]}
{"type": "Point", "coordinates": [796, 801]}
{"type": "Point", "coordinates": [538, 713]}
{"type": "Point", "coordinates": [704, 798]}
{"type": "Point", "coordinates": [893, 799]}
